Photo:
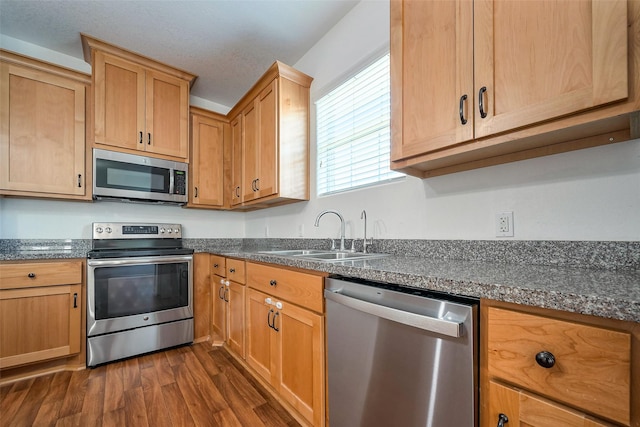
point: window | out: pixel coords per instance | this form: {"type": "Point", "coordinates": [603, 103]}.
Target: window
{"type": "Point", "coordinates": [354, 132]}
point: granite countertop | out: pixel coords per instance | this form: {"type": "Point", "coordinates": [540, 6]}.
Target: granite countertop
{"type": "Point", "coordinates": [603, 293]}
{"type": "Point", "coordinates": [610, 293]}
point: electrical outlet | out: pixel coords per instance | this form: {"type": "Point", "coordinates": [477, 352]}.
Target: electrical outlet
{"type": "Point", "coordinates": [504, 224]}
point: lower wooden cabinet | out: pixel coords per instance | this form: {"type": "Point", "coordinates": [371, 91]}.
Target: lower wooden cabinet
{"type": "Point", "coordinates": [235, 318]}
{"type": "Point", "coordinates": [201, 297]}
{"type": "Point", "coordinates": [545, 367]}
{"type": "Point", "coordinates": [40, 311]}
{"type": "Point", "coordinates": [228, 317]}
{"type": "Point", "coordinates": [285, 346]}
{"type": "Point", "coordinates": [285, 340]}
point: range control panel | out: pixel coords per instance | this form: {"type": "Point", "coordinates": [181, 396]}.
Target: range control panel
{"type": "Point", "coordinates": [127, 230]}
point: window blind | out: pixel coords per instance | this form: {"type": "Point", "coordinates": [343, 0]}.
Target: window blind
{"type": "Point", "coordinates": [354, 132]}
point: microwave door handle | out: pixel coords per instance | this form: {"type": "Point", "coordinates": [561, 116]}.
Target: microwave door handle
{"type": "Point", "coordinates": [171, 180]}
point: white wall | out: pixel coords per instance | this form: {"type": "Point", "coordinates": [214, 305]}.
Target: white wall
{"type": "Point", "coordinates": [591, 194]}
{"type": "Point", "coordinates": [50, 219]}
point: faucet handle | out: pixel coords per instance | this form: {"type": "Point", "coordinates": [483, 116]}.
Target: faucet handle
{"type": "Point", "coordinates": [353, 245]}
{"type": "Point", "coordinates": [333, 244]}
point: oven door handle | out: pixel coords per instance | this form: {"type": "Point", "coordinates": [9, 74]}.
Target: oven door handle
{"type": "Point", "coordinates": [111, 262]}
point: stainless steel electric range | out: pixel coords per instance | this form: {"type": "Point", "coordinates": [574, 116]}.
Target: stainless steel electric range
{"type": "Point", "coordinates": [139, 290]}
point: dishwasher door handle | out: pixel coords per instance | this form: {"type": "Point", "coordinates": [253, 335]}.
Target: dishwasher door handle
{"type": "Point", "coordinates": [433, 324]}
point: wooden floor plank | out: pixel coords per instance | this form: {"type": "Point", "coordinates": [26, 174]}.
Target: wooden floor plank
{"type": "Point", "coordinates": [196, 385]}
{"type": "Point", "coordinates": [114, 387]}
{"type": "Point", "coordinates": [74, 396]}
{"type": "Point", "coordinates": [11, 405]}
{"type": "Point", "coordinates": [93, 405]}
{"type": "Point", "coordinates": [32, 401]}
{"type": "Point", "coordinates": [198, 406]}
{"type": "Point", "coordinates": [131, 374]}
{"type": "Point", "coordinates": [115, 418]}
{"type": "Point", "coordinates": [157, 412]}
{"type": "Point", "coordinates": [210, 393]}
{"type": "Point", "coordinates": [178, 409]}
{"type": "Point", "coordinates": [248, 390]}
{"type": "Point", "coordinates": [202, 353]}
{"type": "Point", "coordinates": [227, 418]}
{"type": "Point", "coordinates": [241, 408]}
{"type": "Point", "coordinates": [136, 412]}
{"type": "Point", "coordinates": [163, 369]}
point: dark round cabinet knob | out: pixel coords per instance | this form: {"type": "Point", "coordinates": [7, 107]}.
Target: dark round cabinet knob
{"type": "Point", "coordinates": [273, 282]}
{"type": "Point", "coordinates": [31, 275]}
{"type": "Point", "coordinates": [502, 420]}
{"type": "Point", "coordinates": [545, 359]}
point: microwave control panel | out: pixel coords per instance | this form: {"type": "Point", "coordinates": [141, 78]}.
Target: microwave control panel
{"type": "Point", "coordinates": [179, 182]}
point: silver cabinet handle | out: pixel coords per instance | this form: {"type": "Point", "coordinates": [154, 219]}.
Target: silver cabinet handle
{"type": "Point", "coordinates": [432, 324]}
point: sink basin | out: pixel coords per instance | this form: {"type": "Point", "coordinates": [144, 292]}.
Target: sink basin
{"type": "Point", "coordinates": [322, 255]}
{"type": "Point", "coordinates": [294, 252]}
{"type": "Point", "coordinates": [341, 256]}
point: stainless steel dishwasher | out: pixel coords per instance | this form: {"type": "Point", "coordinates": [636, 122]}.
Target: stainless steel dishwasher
{"type": "Point", "coordinates": [399, 357]}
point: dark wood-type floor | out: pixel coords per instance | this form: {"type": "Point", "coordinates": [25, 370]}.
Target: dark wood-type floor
{"type": "Point", "coordinates": [197, 385]}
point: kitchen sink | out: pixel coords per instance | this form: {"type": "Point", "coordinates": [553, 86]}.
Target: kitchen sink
{"type": "Point", "coordinates": [294, 252]}
{"type": "Point", "coordinates": [323, 255]}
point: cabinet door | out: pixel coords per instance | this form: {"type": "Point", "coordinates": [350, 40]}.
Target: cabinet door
{"type": "Point", "coordinates": [119, 102]}
{"type": "Point", "coordinates": [42, 141]}
{"type": "Point", "coordinates": [219, 315]}
{"type": "Point", "coordinates": [300, 346]}
{"type": "Point", "coordinates": [260, 145]}
{"type": "Point", "coordinates": [539, 60]}
{"type": "Point", "coordinates": [261, 349]}
{"type": "Point", "coordinates": [524, 409]}
{"type": "Point", "coordinates": [207, 164]}
{"type": "Point", "coordinates": [250, 152]}
{"type": "Point", "coordinates": [167, 115]}
{"type": "Point", "coordinates": [267, 183]}
{"type": "Point", "coordinates": [431, 73]}
{"type": "Point", "coordinates": [235, 318]}
{"type": "Point", "coordinates": [236, 161]}
{"type": "Point", "coordinates": [201, 296]}
{"type": "Point", "coordinates": [39, 324]}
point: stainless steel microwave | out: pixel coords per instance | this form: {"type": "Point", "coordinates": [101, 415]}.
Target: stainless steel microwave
{"type": "Point", "coordinates": [133, 178]}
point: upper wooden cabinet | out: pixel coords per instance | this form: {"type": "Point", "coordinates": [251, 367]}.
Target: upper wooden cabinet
{"type": "Point", "coordinates": [273, 121]}
{"type": "Point", "coordinates": [484, 82]}
{"type": "Point", "coordinates": [208, 174]}
{"type": "Point", "coordinates": [139, 104]}
{"type": "Point", "coordinates": [42, 137]}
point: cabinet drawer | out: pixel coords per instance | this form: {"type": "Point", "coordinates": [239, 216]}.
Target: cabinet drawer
{"type": "Point", "coordinates": [236, 270]}
{"type": "Point", "coordinates": [218, 266]}
{"type": "Point", "coordinates": [34, 274]}
{"type": "Point", "coordinates": [299, 288]}
{"type": "Point", "coordinates": [592, 364]}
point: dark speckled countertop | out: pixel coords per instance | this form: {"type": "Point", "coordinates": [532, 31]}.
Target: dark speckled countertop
{"type": "Point", "coordinates": [593, 278]}
{"type": "Point", "coordinates": [604, 293]}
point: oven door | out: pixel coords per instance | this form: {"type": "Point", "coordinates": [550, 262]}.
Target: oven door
{"type": "Point", "coordinates": [128, 293]}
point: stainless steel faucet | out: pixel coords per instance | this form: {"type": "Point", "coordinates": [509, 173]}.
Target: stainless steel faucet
{"type": "Point", "coordinates": [317, 224]}
{"type": "Point", "coordinates": [365, 242]}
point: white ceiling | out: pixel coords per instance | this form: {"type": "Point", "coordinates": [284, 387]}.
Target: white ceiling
{"type": "Point", "coordinates": [229, 44]}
